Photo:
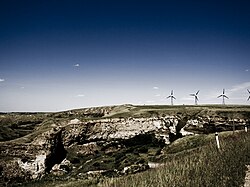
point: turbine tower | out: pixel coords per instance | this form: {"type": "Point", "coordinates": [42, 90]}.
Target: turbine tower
{"type": "Point", "coordinates": [223, 96]}
{"type": "Point", "coordinates": [195, 97]}
{"type": "Point", "coordinates": [171, 96]}
{"type": "Point", "coordinates": [249, 95]}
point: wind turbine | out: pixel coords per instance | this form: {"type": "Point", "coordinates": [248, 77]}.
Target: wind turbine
{"type": "Point", "coordinates": [223, 96]}
{"type": "Point", "coordinates": [171, 96]}
{"type": "Point", "coordinates": [249, 95]}
{"type": "Point", "coordinates": [195, 97]}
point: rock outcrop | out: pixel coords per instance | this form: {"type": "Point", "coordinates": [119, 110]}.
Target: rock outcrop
{"type": "Point", "coordinates": [35, 167]}
{"type": "Point", "coordinates": [32, 160]}
{"type": "Point", "coordinates": [119, 128]}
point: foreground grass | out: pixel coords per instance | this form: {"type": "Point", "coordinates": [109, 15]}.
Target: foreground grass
{"type": "Point", "coordinates": [200, 166]}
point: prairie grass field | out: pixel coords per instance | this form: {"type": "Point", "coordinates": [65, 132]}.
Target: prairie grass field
{"type": "Point", "coordinates": [200, 165]}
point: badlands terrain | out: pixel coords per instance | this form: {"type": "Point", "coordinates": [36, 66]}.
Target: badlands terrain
{"type": "Point", "coordinates": [105, 146]}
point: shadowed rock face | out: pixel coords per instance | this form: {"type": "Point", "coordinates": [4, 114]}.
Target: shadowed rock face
{"type": "Point", "coordinates": [115, 146]}
{"type": "Point", "coordinates": [33, 159]}
{"type": "Point", "coordinates": [57, 153]}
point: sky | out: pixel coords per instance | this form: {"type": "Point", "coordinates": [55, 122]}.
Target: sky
{"type": "Point", "coordinates": [60, 55]}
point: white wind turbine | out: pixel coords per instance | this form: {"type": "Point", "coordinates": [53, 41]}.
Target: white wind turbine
{"type": "Point", "coordinates": [171, 96]}
{"type": "Point", "coordinates": [223, 96]}
{"type": "Point", "coordinates": [249, 95]}
{"type": "Point", "coordinates": [195, 97]}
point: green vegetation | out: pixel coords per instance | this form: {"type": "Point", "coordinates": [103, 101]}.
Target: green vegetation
{"type": "Point", "coordinates": [196, 163]}
{"type": "Point", "coordinates": [16, 125]}
{"type": "Point", "coordinates": [191, 111]}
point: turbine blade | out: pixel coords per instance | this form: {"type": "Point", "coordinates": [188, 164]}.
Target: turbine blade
{"type": "Point", "coordinates": [174, 97]}
{"type": "Point", "coordinates": [248, 91]}
{"type": "Point", "coordinates": [223, 91]}
{"type": "Point", "coordinates": [168, 97]}
{"type": "Point", "coordinates": [248, 98]}
{"type": "Point", "coordinates": [197, 92]}
{"type": "Point", "coordinates": [192, 94]}
{"type": "Point", "coordinates": [172, 92]}
{"type": "Point", "coordinates": [196, 98]}
{"type": "Point", "coordinates": [226, 97]}
{"type": "Point", "coordinates": [219, 96]}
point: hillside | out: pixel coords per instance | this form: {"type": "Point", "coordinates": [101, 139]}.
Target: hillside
{"type": "Point", "coordinates": [93, 143]}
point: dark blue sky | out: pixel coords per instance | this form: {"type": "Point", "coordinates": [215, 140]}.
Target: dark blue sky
{"type": "Point", "coordinates": [126, 51]}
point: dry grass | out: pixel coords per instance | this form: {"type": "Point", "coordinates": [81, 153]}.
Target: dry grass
{"type": "Point", "coordinates": [203, 166]}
